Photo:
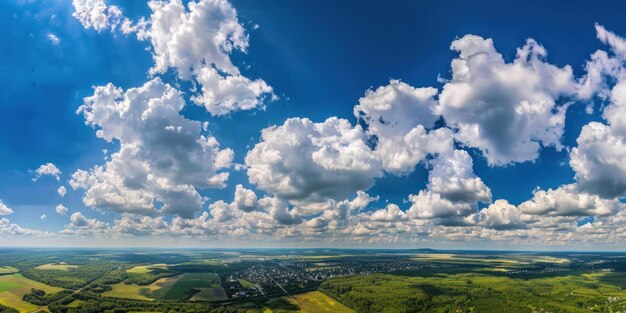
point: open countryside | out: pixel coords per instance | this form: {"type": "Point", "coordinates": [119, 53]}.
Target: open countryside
{"type": "Point", "coordinates": [313, 281]}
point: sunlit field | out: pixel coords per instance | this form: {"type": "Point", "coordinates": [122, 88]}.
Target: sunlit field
{"type": "Point", "coordinates": [14, 287]}
{"type": "Point", "coordinates": [150, 292]}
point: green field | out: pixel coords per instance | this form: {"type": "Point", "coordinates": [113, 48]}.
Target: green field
{"type": "Point", "coordinates": [147, 274]}
{"type": "Point", "coordinates": [150, 292]}
{"type": "Point", "coordinates": [74, 304]}
{"type": "Point", "coordinates": [8, 270]}
{"type": "Point", "coordinates": [14, 287]}
{"type": "Point", "coordinates": [317, 302]}
{"type": "Point", "coordinates": [214, 293]}
{"type": "Point", "coordinates": [57, 267]}
{"type": "Point", "coordinates": [192, 286]}
{"type": "Point", "coordinates": [198, 287]}
{"type": "Point", "coordinates": [246, 283]}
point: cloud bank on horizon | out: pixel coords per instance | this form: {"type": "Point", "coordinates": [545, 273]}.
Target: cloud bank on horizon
{"type": "Point", "coordinates": [308, 181]}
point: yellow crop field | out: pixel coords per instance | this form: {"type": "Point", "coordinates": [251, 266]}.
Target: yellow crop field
{"type": "Point", "coordinates": [57, 267]}
{"type": "Point", "coordinates": [8, 270]}
{"type": "Point", "coordinates": [317, 302]}
{"type": "Point", "coordinates": [144, 269]}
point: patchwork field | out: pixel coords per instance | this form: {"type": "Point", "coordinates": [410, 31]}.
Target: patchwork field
{"type": "Point", "coordinates": [14, 287]}
{"type": "Point", "coordinates": [198, 286]}
{"type": "Point", "coordinates": [192, 286]}
{"type": "Point", "coordinates": [150, 292]}
{"type": "Point", "coordinates": [317, 302]}
{"type": "Point", "coordinates": [57, 267]}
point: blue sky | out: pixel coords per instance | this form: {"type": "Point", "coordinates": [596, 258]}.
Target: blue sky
{"type": "Point", "coordinates": [319, 58]}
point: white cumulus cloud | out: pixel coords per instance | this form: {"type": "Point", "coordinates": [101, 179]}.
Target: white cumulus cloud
{"type": "Point", "coordinates": [498, 215]}
{"type": "Point", "coordinates": [62, 191]}
{"type": "Point", "coordinates": [307, 161]}
{"type": "Point", "coordinates": [163, 157]}
{"type": "Point", "coordinates": [47, 169]}
{"type": "Point", "coordinates": [598, 161]}
{"type": "Point", "coordinates": [507, 110]}
{"type": "Point", "coordinates": [4, 209]}
{"type": "Point", "coordinates": [398, 117]}
{"type": "Point", "coordinates": [453, 190]}
{"type": "Point", "coordinates": [568, 201]}
{"type": "Point", "coordinates": [196, 43]}
{"type": "Point", "coordinates": [61, 209]}
{"type": "Point", "coordinates": [96, 14]}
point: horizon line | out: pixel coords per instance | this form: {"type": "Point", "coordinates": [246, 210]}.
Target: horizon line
{"type": "Point", "coordinates": [302, 248]}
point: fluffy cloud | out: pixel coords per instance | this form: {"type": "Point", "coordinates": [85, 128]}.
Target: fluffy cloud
{"type": "Point", "coordinates": [453, 178]}
{"type": "Point", "coordinates": [79, 221]}
{"type": "Point", "coordinates": [61, 209]}
{"type": "Point", "coordinates": [430, 205]}
{"type": "Point", "coordinates": [599, 161]}
{"type": "Point", "coordinates": [96, 14]}
{"type": "Point", "coordinates": [4, 209]}
{"type": "Point", "coordinates": [43, 217]}
{"type": "Point", "coordinates": [62, 191]}
{"type": "Point", "coordinates": [11, 229]}
{"type": "Point", "coordinates": [312, 162]}
{"type": "Point", "coordinates": [317, 223]}
{"type": "Point", "coordinates": [397, 108]}
{"type": "Point", "coordinates": [279, 210]}
{"type": "Point", "coordinates": [594, 82]}
{"type": "Point", "coordinates": [47, 169]}
{"type": "Point", "coordinates": [196, 43]}
{"type": "Point", "coordinates": [498, 215]}
{"type": "Point", "coordinates": [221, 211]}
{"type": "Point", "coordinates": [163, 156]}
{"type": "Point", "coordinates": [140, 225]}
{"type": "Point", "coordinates": [391, 213]}
{"type": "Point", "coordinates": [507, 110]}
{"type": "Point", "coordinates": [567, 201]}
{"type": "Point", "coordinates": [615, 113]}
{"type": "Point", "coordinates": [339, 213]}
{"type": "Point", "coordinates": [453, 189]}
{"type": "Point", "coordinates": [245, 199]}
{"type": "Point", "coordinates": [397, 117]}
